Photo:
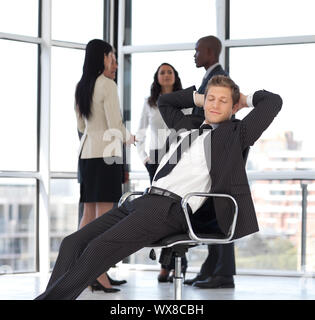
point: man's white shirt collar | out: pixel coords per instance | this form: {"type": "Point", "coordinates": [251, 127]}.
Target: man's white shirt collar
{"type": "Point", "coordinates": [213, 125]}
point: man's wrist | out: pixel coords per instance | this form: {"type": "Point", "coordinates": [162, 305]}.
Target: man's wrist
{"type": "Point", "coordinates": [249, 100]}
{"type": "Point", "coordinates": [194, 97]}
{"type": "Point", "coordinates": [198, 99]}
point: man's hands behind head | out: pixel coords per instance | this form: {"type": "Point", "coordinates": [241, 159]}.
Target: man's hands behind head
{"type": "Point", "coordinates": [242, 103]}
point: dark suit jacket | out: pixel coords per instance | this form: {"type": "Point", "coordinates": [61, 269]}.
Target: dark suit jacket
{"type": "Point", "coordinates": [218, 70]}
{"type": "Point", "coordinates": [225, 157]}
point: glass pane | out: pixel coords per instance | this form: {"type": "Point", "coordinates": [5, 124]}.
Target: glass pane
{"type": "Point", "coordinates": [66, 71]}
{"type": "Point", "coordinates": [288, 143]}
{"type": "Point", "coordinates": [310, 227]}
{"type": "Point", "coordinates": [164, 21]}
{"type": "Point", "coordinates": [277, 246]}
{"type": "Point", "coordinates": [143, 67]}
{"type": "Point", "coordinates": [17, 225]}
{"type": "Point", "coordinates": [77, 20]}
{"type": "Point", "coordinates": [19, 17]}
{"type": "Point", "coordinates": [269, 18]}
{"type": "Point", "coordinates": [63, 212]}
{"type": "Point", "coordinates": [18, 123]}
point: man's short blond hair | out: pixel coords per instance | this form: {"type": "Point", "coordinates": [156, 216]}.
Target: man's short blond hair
{"type": "Point", "coordinates": [227, 82]}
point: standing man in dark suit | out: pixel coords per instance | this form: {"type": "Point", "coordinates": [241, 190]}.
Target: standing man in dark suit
{"type": "Point", "coordinates": [207, 53]}
{"type": "Point", "coordinates": [219, 267]}
{"type": "Point", "coordinates": [216, 144]}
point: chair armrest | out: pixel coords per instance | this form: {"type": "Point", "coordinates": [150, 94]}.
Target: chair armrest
{"type": "Point", "coordinates": [128, 194]}
{"type": "Point", "coordinates": [192, 234]}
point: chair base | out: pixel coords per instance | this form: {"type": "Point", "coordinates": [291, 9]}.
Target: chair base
{"type": "Point", "coordinates": [178, 279]}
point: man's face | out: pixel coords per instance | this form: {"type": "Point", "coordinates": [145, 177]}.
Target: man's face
{"type": "Point", "coordinates": [110, 64]}
{"type": "Point", "coordinates": [218, 105]}
{"type": "Point", "coordinates": [202, 55]}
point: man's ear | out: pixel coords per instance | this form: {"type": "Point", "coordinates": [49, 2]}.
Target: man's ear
{"type": "Point", "coordinates": [235, 108]}
{"type": "Point", "coordinates": [211, 54]}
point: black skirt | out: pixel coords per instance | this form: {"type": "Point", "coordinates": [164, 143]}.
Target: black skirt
{"type": "Point", "coordinates": [100, 181]}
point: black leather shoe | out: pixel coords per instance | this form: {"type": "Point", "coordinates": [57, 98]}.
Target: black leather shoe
{"type": "Point", "coordinates": [216, 282]}
{"type": "Point", "coordinates": [163, 275]}
{"type": "Point", "coordinates": [96, 286]}
{"type": "Point", "coordinates": [114, 282]}
{"type": "Point", "coordinates": [198, 277]}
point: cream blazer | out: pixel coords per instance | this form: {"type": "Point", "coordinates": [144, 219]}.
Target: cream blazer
{"type": "Point", "coordinates": [104, 131]}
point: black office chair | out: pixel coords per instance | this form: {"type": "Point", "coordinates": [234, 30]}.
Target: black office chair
{"type": "Point", "coordinates": [177, 245]}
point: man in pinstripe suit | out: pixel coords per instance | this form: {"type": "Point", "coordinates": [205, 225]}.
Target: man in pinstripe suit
{"type": "Point", "coordinates": [219, 267]}
{"type": "Point", "coordinates": [85, 254]}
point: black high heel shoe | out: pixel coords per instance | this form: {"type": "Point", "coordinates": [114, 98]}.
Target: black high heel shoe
{"type": "Point", "coordinates": [183, 271]}
{"type": "Point", "coordinates": [96, 286]}
{"type": "Point", "coordinates": [114, 282]}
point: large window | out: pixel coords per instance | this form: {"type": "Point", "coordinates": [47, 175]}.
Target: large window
{"type": "Point", "coordinates": [287, 144]}
{"type": "Point", "coordinates": [277, 246]}
{"type": "Point", "coordinates": [283, 242]}
{"type": "Point", "coordinates": [66, 72]}
{"type": "Point", "coordinates": [17, 225]}
{"type": "Point", "coordinates": [176, 21]}
{"type": "Point", "coordinates": [18, 124]}
{"type": "Point", "coordinates": [77, 20]}
{"type": "Point", "coordinates": [64, 204]}
{"type": "Point", "coordinates": [268, 18]}
{"type": "Point", "coordinates": [19, 17]}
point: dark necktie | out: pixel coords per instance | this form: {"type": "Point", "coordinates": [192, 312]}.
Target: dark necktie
{"type": "Point", "coordinates": [177, 154]}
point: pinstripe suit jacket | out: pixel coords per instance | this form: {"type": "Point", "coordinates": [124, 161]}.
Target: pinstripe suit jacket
{"type": "Point", "coordinates": [226, 145]}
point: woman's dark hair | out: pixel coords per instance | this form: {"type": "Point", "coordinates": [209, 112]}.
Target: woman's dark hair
{"type": "Point", "coordinates": [93, 66]}
{"type": "Point", "coordinates": [156, 87]}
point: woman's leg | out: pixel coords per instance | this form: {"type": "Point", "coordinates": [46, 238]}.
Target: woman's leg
{"type": "Point", "coordinates": [102, 208]}
{"type": "Point", "coordinates": [89, 214]}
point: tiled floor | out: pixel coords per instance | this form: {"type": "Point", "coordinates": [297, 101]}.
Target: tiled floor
{"type": "Point", "coordinates": [142, 285]}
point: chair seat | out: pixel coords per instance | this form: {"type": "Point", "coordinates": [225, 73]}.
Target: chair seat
{"type": "Point", "coordinates": [168, 241]}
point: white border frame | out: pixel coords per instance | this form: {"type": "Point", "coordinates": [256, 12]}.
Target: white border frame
{"type": "Point", "coordinates": [43, 175]}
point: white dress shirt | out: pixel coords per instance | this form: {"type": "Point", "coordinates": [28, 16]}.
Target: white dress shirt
{"type": "Point", "coordinates": [192, 168]}
{"type": "Point", "coordinates": [159, 131]}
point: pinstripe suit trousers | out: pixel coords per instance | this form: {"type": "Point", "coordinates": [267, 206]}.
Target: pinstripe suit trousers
{"type": "Point", "coordinates": [87, 253]}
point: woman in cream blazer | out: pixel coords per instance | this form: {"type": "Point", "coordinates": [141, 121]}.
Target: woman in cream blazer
{"type": "Point", "coordinates": [100, 153]}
